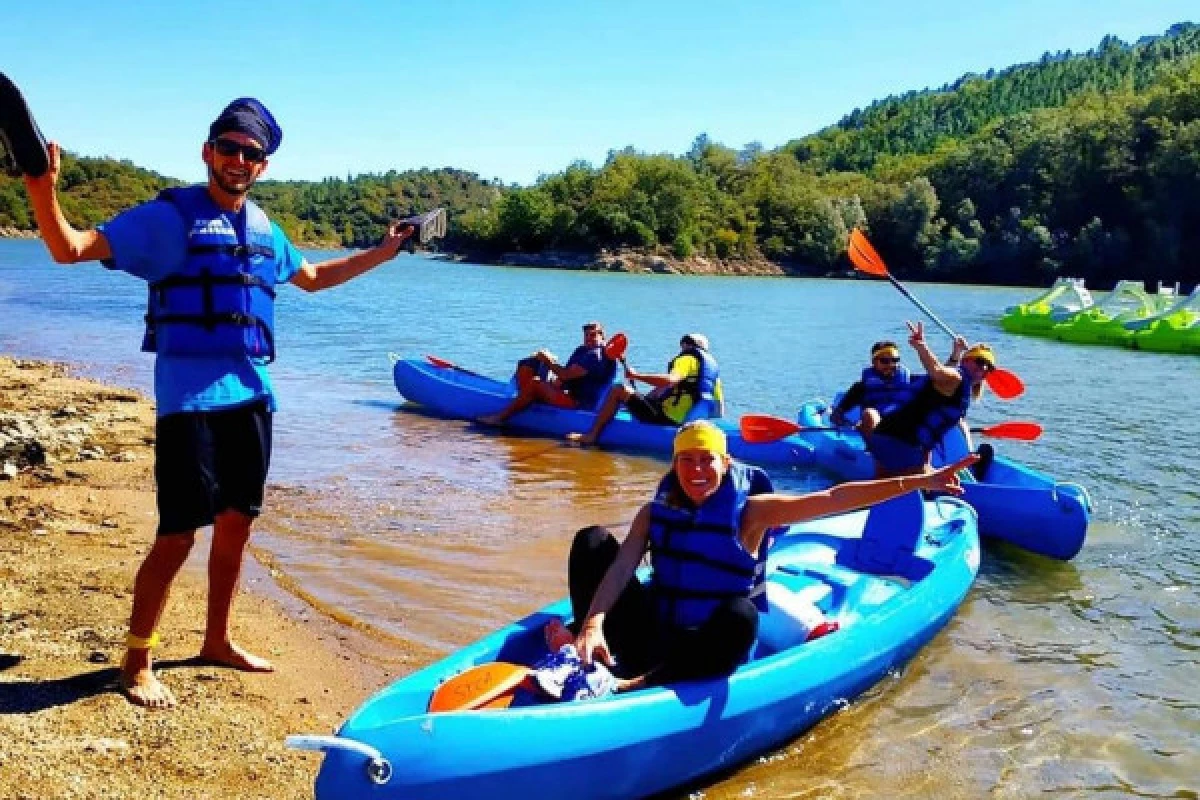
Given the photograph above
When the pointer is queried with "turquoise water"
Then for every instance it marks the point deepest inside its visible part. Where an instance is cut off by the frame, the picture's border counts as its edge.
(1062, 679)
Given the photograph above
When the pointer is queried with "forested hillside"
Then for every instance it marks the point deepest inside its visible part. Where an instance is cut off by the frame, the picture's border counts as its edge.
(332, 212)
(1085, 164)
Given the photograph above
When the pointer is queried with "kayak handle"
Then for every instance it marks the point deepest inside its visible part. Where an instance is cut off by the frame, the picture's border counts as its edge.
(1074, 489)
(379, 769)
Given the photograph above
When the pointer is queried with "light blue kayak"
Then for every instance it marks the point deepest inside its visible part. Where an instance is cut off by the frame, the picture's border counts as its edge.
(1016, 503)
(891, 577)
(459, 394)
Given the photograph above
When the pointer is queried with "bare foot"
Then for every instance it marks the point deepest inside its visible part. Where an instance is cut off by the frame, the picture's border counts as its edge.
(581, 439)
(142, 687)
(230, 655)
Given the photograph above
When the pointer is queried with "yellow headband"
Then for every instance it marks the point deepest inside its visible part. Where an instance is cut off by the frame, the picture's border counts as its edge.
(700, 436)
(982, 351)
(891, 352)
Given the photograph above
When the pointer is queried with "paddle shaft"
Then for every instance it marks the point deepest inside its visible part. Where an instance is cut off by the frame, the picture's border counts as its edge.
(904, 291)
(846, 429)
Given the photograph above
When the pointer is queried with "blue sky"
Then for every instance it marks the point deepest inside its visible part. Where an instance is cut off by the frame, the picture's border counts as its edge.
(508, 89)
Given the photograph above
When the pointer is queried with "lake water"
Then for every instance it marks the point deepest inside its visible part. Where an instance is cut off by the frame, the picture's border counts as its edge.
(1053, 679)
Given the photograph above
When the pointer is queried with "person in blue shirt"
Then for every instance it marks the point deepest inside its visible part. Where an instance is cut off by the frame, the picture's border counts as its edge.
(580, 383)
(212, 261)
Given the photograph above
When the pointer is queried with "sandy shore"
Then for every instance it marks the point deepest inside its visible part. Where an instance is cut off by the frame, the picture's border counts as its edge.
(76, 517)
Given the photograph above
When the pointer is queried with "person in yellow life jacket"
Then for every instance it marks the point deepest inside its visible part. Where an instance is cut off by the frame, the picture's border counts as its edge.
(706, 531)
(690, 389)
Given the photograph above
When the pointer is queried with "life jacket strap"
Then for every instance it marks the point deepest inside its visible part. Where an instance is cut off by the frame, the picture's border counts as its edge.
(208, 279)
(235, 250)
(697, 558)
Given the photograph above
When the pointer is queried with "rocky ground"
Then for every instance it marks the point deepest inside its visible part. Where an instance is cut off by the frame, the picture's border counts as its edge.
(76, 517)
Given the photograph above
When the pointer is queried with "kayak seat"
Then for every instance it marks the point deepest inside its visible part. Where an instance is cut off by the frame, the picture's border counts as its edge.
(890, 536)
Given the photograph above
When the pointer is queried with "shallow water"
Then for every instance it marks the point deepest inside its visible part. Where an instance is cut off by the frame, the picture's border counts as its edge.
(1061, 679)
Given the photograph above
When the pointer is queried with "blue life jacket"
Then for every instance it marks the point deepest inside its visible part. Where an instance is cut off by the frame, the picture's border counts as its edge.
(886, 395)
(945, 415)
(702, 386)
(591, 387)
(222, 302)
(697, 555)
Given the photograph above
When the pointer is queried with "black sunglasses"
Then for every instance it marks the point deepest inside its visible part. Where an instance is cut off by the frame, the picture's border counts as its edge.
(229, 148)
(983, 364)
(888, 360)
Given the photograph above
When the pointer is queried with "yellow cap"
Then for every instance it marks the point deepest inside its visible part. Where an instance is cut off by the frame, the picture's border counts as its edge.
(700, 435)
(982, 351)
(886, 352)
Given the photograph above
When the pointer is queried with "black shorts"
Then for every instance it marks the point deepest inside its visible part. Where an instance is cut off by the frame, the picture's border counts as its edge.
(206, 462)
(647, 411)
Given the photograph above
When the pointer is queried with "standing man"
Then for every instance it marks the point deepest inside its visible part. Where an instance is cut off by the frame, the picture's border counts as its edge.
(212, 260)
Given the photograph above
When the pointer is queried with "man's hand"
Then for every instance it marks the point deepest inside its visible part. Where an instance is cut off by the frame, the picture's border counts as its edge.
(916, 334)
(46, 182)
(397, 234)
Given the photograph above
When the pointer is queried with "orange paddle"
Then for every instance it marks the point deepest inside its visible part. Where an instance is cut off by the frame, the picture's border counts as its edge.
(1004, 383)
(616, 347)
(442, 363)
(488, 686)
(764, 428)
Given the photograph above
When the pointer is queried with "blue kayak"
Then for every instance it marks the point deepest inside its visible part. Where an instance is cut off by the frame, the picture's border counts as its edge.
(459, 394)
(1016, 503)
(891, 577)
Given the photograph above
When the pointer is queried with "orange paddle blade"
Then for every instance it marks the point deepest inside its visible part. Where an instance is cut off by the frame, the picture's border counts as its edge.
(1022, 431)
(864, 257)
(615, 349)
(479, 687)
(1006, 385)
(763, 428)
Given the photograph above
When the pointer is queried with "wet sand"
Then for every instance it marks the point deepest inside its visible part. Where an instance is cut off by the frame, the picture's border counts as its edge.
(76, 517)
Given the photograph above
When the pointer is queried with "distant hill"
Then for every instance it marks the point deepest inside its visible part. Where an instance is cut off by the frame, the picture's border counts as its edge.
(1085, 164)
(918, 121)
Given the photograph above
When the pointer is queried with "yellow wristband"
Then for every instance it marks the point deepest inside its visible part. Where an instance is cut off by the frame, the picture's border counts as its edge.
(141, 642)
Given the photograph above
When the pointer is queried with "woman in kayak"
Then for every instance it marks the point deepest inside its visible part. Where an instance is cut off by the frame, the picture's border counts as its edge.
(704, 531)
(903, 439)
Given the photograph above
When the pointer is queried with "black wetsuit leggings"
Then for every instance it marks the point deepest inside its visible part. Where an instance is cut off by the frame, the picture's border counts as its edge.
(634, 636)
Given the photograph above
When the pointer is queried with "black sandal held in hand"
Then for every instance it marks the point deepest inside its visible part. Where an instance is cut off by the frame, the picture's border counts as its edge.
(22, 146)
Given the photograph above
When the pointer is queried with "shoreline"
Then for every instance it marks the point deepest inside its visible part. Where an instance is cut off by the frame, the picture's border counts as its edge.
(77, 515)
(621, 260)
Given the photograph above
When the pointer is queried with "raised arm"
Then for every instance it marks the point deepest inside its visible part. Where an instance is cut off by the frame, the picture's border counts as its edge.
(945, 378)
(336, 271)
(66, 244)
(767, 511)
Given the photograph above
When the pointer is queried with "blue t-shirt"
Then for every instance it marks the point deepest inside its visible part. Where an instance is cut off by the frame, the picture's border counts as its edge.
(149, 242)
(588, 389)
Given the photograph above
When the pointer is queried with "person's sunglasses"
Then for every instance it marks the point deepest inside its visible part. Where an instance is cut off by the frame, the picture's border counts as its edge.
(983, 364)
(888, 360)
(229, 148)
